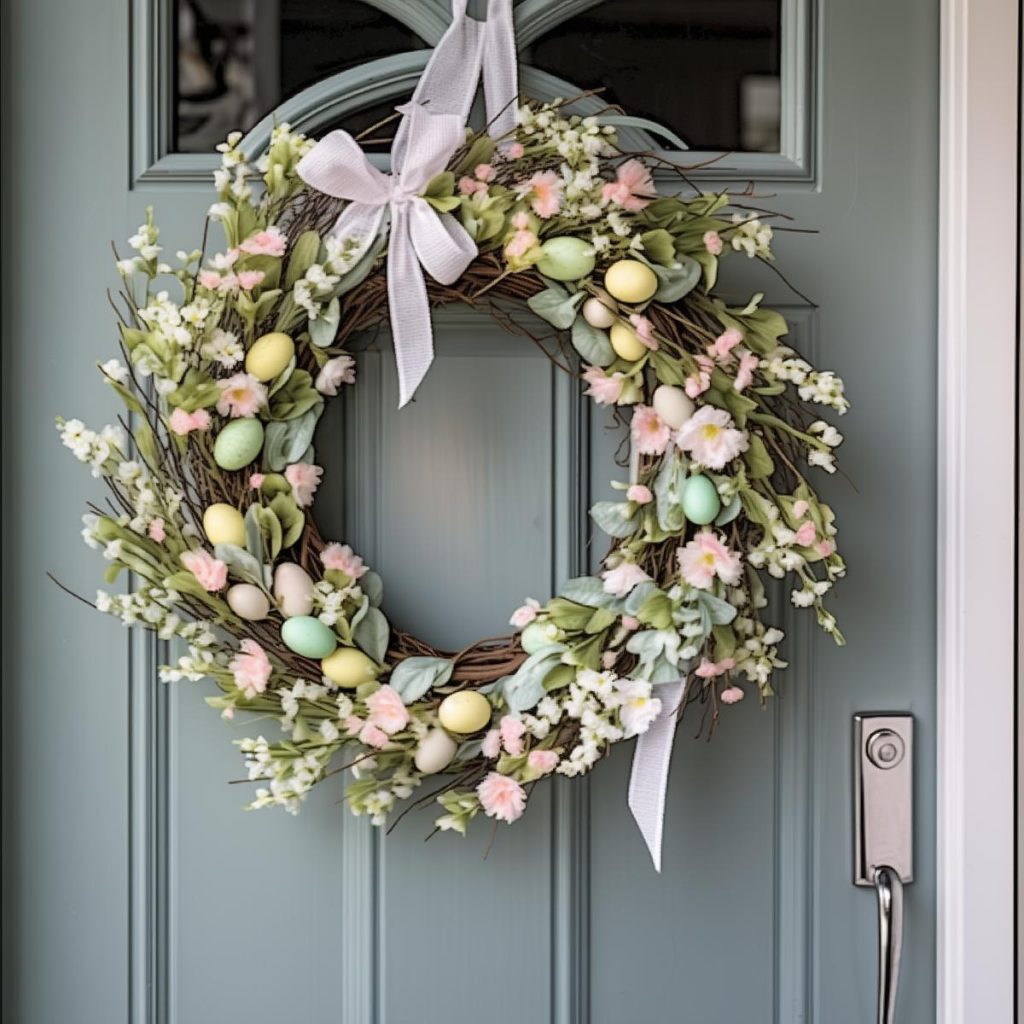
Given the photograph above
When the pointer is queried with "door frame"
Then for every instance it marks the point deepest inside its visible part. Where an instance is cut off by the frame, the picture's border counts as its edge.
(978, 282)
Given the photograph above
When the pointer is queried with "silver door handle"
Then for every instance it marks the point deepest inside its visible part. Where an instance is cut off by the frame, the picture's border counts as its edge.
(883, 834)
(890, 940)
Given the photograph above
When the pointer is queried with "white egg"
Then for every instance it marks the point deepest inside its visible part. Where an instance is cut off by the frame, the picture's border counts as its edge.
(435, 752)
(247, 601)
(673, 405)
(293, 590)
(600, 312)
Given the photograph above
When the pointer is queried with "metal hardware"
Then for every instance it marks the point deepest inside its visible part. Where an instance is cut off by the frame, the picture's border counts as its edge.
(883, 833)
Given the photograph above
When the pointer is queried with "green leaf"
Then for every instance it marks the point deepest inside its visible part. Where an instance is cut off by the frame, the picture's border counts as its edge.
(557, 306)
(414, 677)
(668, 490)
(304, 254)
(285, 442)
(290, 516)
(372, 634)
(719, 610)
(758, 461)
(656, 611)
(599, 621)
(525, 688)
(240, 563)
(323, 329)
(296, 398)
(730, 512)
(588, 590)
(592, 343)
(480, 151)
(568, 615)
(373, 587)
(615, 518)
(647, 125)
(675, 282)
(660, 246)
(667, 369)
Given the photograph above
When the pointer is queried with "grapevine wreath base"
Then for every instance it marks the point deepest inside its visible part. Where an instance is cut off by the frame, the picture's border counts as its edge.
(228, 359)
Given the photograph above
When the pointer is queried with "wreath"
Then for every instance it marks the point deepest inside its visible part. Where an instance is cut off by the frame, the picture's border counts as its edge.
(227, 360)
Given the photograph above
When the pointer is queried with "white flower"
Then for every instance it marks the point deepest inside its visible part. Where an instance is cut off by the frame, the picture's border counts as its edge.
(115, 370)
(223, 348)
(623, 578)
(826, 460)
(638, 709)
(335, 372)
(710, 438)
(219, 211)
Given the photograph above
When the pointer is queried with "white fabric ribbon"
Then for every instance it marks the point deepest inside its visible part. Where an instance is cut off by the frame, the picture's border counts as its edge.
(431, 130)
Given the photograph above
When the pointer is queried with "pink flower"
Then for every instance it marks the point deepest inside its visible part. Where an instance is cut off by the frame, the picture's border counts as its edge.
(546, 187)
(644, 330)
(825, 548)
(542, 761)
(250, 279)
(520, 244)
(241, 395)
(512, 150)
(713, 242)
(211, 572)
(156, 530)
(183, 422)
(731, 695)
(640, 494)
(305, 479)
(800, 508)
(720, 348)
(706, 557)
(373, 736)
(708, 669)
(745, 374)
(353, 724)
(603, 389)
(633, 187)
(256, 480)
(525, 613)
(269, 242)
(512, 731)
(491, 746)
(342, 558)
(630, 622)
(251, 668)
(501, 797)
(387, 711)
(336, 371)
(608, 659)
(649, 431)
(623, 578)
(805, 535)
(697, 383)
(209, 279)
(468, 185)
(710, 438)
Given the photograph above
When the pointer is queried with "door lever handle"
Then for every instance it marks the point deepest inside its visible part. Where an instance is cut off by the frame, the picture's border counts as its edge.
(890, 940)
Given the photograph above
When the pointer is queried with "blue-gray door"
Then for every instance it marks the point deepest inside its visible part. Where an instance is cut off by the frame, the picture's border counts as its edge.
(136, 889)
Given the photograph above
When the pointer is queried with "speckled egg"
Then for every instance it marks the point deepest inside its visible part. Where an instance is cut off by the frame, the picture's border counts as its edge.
(308, 636)
(293, 590)
(223, 524)
(248, 602)
(673, 405)
(435, 752)
(701, 503)
(238, 443)
(348, 667)
(269, 355)
(464, 712)
(626, 343)
(566, 259)
(630, 281)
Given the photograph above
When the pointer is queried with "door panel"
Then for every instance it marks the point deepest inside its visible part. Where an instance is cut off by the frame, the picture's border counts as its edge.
(132, 875)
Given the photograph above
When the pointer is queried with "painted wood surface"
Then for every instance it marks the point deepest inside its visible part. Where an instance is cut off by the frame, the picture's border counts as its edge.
(135, 887)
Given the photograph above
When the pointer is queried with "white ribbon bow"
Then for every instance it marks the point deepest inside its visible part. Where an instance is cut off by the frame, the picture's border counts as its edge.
(431, 130)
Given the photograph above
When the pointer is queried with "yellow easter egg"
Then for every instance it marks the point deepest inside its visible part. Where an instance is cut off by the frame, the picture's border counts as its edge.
(269, 355)
(464, 712)
(625, 342)
(348, 667)
(223, 524)
(630, 281)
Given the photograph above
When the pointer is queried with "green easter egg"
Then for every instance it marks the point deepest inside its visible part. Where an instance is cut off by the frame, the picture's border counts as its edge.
(566, 259)
(701, 503)
(539, 634)
(238, 443)
(308, 636)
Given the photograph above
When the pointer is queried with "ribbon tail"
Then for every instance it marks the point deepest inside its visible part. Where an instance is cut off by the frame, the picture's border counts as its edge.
(648, 782)
(409, 306)
(500, 69)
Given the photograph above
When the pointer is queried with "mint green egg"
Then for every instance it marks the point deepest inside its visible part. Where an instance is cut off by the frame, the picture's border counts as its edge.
(566, 259)
(539, 634)
(238, 443)
(701, 503)
(308, 636)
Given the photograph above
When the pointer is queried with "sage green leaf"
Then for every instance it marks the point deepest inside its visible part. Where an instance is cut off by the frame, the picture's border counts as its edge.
(615, 518)
(759, 463)
(525, 688)
(667, 369)
(675, 282)
(285, 441)
(730, 512)
(659, 246)
(372, 634)
(668, 489)
(568, 615)
(641, 592)
(290, 516)
(719, 610)
(296, 398)
(647, 125)
(480, 151)
(557, 306)
(414, 677)
(304, 254)
(373, 587)
(324, 328)
(599, 621)
(588, 590)
(588, 653)
(656, 611)
(592, 343)
(240, 563)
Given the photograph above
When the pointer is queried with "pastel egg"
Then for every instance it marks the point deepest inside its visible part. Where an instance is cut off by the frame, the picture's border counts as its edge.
(223, 524)
(630, 281)
(701, 503)
(600, 311)
(566, 259)
(308, 636)
(673, 405)
(435, 752)
(464, 712)
(348, 667)
(269, 355)
(626, 343)
(293, 590)
(238, 443)
(248, 602)
(537, 635)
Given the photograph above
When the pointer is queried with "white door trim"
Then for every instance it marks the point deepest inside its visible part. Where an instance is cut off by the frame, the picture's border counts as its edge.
(977, 294)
